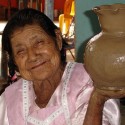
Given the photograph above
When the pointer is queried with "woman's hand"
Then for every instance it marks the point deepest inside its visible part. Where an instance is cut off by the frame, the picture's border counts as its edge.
(110, 93)
(96, 104)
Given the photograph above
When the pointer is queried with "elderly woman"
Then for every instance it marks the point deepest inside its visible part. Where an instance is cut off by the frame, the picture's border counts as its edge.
(50, 91)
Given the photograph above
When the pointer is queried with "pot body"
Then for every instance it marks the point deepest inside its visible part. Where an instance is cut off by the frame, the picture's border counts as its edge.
(105, 53)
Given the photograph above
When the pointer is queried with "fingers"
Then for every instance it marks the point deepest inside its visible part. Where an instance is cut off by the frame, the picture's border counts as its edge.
(119, 93)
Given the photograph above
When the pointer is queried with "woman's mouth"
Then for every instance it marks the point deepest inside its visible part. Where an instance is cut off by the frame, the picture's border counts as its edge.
(38, 65)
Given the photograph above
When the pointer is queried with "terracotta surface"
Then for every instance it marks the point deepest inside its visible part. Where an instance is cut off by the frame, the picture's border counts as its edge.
(105, 53)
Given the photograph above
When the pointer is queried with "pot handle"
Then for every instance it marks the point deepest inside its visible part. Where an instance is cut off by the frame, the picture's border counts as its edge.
(96, 10)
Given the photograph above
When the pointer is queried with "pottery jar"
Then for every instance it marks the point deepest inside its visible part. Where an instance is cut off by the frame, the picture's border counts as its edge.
(104, 55)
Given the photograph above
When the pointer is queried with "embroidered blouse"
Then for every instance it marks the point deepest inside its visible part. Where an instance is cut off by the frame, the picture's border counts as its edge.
(67, 106)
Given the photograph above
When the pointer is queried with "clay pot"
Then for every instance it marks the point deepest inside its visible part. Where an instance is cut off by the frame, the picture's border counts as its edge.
(105, 53)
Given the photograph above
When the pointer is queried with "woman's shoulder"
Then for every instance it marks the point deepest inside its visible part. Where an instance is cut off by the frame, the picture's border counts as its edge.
(78, 67)
(14, 86)
(12, 92)
(79, 72)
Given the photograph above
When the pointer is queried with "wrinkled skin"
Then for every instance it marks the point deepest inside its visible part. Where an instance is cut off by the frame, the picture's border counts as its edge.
(38, 59)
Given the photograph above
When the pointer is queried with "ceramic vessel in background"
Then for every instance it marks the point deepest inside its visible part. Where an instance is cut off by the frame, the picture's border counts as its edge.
(105, 53)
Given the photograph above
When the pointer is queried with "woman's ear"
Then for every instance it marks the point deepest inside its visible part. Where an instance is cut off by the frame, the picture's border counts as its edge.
(58, 38)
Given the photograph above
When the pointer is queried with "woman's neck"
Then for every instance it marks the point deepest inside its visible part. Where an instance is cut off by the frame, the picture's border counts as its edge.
(45, 89)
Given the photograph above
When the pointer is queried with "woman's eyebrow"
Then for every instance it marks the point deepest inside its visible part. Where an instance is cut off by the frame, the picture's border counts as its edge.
(18, 45)
(33, 37)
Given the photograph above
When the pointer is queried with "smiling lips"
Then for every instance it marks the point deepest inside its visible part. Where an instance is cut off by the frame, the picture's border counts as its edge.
(38, 65)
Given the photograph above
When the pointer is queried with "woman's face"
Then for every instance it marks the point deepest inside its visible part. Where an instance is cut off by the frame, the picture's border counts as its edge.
(35, 53)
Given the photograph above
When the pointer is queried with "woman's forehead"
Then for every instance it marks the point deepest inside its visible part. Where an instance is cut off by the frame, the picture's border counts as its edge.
(29, 32)
(27, 28)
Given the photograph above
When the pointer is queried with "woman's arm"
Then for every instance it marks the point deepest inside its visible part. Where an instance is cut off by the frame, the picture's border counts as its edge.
(95, 109)
(96, 104)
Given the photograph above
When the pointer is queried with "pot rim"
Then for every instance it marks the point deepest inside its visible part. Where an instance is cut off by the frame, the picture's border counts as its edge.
(113, 7)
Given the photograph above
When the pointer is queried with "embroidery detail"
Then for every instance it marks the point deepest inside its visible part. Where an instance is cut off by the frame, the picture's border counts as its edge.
(48, 120)
(25, 99)
(64, 93)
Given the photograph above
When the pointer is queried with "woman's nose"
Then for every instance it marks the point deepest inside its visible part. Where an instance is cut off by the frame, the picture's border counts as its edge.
(32, 54)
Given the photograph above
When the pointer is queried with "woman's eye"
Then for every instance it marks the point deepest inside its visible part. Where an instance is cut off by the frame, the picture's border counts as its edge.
(20, 52)
(38, 43)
